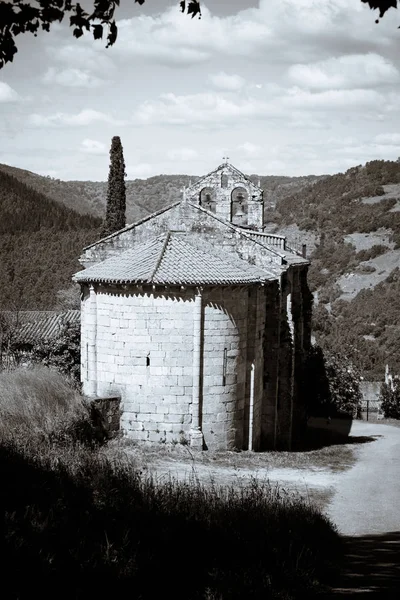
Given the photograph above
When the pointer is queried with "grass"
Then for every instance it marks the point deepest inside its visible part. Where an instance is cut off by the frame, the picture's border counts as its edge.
(80, 521)
(38, 405)
(334, 458)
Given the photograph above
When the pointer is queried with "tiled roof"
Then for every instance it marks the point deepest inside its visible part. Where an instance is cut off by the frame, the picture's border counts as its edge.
(175, 259)
(45, 328)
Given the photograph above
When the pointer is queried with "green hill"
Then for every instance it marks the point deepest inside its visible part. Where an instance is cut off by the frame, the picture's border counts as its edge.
(354, 218)
(40, 241)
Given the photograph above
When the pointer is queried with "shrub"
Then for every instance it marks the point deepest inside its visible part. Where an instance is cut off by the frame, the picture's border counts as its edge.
(39, 403)
(390, 399)
(63, 352)
(332, 385)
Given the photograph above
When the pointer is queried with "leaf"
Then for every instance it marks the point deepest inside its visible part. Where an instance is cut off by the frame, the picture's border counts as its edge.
(381, 5)
(112, 36)
(183, 5)
(194, 8)
(97, 31)
(78, 32)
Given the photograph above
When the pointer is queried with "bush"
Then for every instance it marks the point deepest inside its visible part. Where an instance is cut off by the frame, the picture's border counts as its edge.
(332, 385)
(39, 403)
(390, 399)
(63, 352)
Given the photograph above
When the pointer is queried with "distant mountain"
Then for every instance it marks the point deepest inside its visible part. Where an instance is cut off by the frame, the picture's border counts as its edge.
(353, 222)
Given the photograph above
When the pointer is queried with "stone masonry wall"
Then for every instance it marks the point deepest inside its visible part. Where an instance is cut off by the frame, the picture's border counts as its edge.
(271, 350)
(144, 342)
(224, 367)
(255, 363)
(223, 181)
(144, 353)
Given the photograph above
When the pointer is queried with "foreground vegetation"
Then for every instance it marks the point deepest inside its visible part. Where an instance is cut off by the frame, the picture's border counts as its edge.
(84, 519)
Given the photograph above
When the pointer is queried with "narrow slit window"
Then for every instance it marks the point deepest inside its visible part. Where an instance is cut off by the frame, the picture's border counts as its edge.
(148, 360)
(224, 366)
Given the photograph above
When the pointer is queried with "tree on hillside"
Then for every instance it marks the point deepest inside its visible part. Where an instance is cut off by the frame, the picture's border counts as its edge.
(19, 16)
(116, 193)
(390, 399)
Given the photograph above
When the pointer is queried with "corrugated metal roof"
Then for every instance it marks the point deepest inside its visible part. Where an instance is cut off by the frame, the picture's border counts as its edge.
(175, 259)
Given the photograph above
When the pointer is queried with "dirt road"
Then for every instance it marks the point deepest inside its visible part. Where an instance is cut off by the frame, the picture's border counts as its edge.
(363, 502)
(367, 497)
(366, 510)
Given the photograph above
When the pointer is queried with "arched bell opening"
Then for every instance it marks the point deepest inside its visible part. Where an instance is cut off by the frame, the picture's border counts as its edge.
(239, 206)
(207, 199)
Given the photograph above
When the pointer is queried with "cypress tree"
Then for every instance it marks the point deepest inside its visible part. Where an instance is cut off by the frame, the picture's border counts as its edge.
(116, 196)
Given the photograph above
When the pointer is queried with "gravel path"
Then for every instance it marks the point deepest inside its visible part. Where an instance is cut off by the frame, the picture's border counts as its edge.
(366, 510)
(367, 500)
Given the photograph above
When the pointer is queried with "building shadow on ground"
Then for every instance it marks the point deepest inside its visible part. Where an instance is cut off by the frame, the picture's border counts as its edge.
(371, 568)
(317, 438)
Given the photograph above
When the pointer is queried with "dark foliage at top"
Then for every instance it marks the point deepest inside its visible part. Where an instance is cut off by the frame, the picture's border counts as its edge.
(381, 5)
(116, 192)
(21, 16)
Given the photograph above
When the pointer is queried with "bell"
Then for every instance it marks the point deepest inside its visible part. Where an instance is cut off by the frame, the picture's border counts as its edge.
(239, 212)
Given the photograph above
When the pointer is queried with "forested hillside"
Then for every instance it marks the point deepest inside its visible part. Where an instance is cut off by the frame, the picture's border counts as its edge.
(355, 217)
(40, 241)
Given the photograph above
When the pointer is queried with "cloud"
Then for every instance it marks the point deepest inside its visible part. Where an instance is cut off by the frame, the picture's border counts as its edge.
(249, 149)
(171, 38)
(8, 94)
(345, 72)
(275, 31)
(224, 81)
(75, 78)
(139, 171)
(95, 59)
(334, 99)
(391, 139)
(93, 147)
(182, 154)
(85, 117)
(200, 109)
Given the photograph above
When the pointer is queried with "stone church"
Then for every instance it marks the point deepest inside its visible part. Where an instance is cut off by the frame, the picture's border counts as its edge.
(199, 321)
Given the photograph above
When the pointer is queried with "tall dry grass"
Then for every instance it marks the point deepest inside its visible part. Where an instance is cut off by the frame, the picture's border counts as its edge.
(39, 405)
(82, 522)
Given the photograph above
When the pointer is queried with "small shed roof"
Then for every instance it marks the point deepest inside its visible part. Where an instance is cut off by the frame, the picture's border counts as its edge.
(45, 328)
(175, 258)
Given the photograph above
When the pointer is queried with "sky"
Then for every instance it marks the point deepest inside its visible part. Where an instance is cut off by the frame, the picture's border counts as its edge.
(281, 87)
